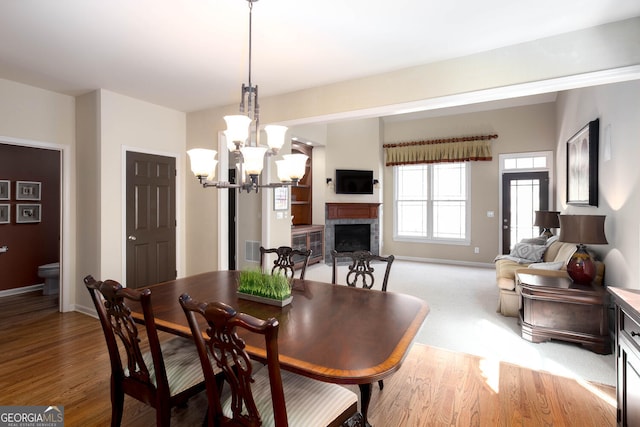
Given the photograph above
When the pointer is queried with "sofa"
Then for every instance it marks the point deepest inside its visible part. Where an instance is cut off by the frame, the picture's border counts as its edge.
(547, 257)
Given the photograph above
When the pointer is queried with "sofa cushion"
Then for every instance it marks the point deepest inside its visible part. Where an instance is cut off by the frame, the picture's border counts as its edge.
(565, 252)
(506, 272)
(528, 251)
(552, 251)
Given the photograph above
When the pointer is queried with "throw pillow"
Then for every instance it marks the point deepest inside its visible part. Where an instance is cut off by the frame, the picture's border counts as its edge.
(535, 241)
(547, 265)
(528, 251)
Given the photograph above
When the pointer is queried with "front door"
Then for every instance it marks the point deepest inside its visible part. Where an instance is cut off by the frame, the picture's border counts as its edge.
(522, 195)
(151, 219)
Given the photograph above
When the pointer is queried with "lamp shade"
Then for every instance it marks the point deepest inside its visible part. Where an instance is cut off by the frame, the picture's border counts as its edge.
(237, 130)
(253, 159)
(275, 136)
(203, 162)
(585, 229)
(547, 219)
(283, 170)
(297, 164)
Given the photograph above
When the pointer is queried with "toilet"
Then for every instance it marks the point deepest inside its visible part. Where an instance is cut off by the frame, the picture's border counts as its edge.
(51, 275)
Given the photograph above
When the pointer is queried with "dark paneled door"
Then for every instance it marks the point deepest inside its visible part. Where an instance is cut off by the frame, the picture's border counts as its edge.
(151, 219)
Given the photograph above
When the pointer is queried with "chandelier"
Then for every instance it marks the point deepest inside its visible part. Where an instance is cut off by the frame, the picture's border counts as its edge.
(242, 140)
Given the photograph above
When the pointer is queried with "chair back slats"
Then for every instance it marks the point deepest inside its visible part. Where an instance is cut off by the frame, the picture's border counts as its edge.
(143, 374)
(110, 298)
(227, 349)
(360, 270)
(286, 260)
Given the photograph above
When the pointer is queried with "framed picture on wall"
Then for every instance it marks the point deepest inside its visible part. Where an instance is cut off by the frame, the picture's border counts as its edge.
(27, 190)
(5, 190)
(5, 214)
(28, 213)
(582, 166)
(280, 198)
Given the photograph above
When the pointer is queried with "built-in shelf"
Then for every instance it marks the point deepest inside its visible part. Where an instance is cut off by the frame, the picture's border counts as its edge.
(301, 195)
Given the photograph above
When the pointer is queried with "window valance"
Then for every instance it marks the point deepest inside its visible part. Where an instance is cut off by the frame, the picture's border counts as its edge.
(463, 149)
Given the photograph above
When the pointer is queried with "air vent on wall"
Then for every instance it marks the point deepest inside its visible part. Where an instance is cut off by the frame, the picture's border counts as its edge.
(252, 251)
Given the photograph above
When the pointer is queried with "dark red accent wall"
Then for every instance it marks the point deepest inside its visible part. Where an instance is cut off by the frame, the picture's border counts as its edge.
(31, 244)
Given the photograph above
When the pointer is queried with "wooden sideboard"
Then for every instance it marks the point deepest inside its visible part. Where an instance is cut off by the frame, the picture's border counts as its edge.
(627, 309)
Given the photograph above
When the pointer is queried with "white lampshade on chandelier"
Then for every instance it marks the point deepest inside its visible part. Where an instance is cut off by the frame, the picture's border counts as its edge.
(242, 140)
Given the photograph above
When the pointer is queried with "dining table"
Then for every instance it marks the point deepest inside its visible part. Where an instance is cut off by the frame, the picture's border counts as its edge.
(333, 333)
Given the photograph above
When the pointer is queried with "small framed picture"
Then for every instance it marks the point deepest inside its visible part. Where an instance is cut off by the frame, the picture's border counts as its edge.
(5, 214)
(27, 190)
(5, 190)
(280, 198)
(28, 213)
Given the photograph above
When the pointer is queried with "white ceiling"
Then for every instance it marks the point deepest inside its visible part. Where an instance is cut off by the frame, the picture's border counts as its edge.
(192, 54)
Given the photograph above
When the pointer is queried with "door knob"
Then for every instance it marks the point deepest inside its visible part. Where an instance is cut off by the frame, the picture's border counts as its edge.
(4, 248)
(132, 238)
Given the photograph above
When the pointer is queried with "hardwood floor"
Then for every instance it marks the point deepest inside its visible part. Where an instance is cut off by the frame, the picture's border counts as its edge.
(49, 358)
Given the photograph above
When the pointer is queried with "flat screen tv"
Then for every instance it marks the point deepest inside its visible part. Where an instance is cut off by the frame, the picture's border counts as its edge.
(349, 181)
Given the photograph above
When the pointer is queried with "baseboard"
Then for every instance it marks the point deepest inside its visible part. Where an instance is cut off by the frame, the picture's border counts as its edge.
(446, 261)
(22, 290)
(89, 311)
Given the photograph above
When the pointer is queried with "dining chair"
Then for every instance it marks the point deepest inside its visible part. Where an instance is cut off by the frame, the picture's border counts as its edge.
(165, 376)
(361, 272)
(286, 260)
(258, 394)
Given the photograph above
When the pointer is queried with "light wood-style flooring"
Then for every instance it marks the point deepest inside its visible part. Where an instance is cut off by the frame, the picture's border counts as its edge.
(48, 358)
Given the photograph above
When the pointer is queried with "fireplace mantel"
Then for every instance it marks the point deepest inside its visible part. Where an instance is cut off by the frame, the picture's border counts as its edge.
(352, 210)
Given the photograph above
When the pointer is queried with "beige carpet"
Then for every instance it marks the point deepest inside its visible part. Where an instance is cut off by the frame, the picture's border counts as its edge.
(463, 318)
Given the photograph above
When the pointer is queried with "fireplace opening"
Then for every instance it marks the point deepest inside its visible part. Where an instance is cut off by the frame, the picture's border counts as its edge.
(352, 237)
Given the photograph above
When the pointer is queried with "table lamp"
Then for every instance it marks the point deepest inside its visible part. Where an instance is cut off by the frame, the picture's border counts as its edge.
(547, 220)
(582, 229)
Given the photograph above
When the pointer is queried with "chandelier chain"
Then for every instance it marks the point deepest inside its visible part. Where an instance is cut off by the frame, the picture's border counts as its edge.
(250, 27)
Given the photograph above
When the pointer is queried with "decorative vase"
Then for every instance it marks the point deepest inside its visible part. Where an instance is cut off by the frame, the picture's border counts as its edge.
(581, 267)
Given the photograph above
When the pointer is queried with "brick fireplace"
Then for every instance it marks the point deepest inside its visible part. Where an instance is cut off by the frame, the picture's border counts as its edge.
(346, 215)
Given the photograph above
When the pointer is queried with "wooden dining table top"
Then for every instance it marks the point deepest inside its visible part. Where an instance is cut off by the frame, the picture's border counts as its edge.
(332, 333)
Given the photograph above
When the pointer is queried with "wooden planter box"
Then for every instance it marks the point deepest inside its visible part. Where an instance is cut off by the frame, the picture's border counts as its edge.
(264, 300)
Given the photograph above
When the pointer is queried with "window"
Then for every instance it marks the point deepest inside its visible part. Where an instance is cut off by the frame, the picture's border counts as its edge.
(432, 202)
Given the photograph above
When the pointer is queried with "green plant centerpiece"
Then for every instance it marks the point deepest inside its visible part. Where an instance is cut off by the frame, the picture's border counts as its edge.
(271, 289)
